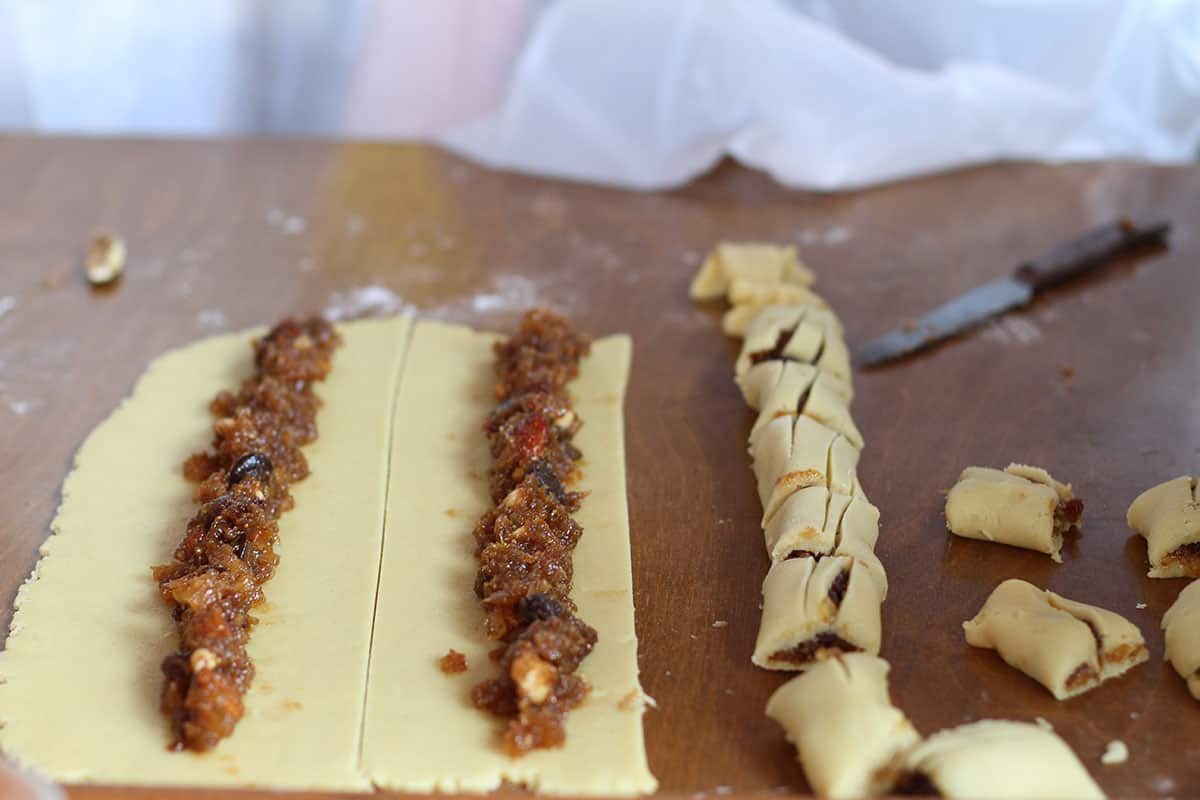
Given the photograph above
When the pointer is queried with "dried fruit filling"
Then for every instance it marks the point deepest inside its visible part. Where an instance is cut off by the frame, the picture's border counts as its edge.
(525, 544)
(228, 551)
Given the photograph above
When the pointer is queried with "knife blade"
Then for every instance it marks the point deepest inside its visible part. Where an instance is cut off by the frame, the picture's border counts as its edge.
(974, 306)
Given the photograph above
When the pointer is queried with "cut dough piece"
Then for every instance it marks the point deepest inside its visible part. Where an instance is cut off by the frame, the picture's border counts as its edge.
(814, 609)
(794, 453)
(1182, 626)
(1019, 505)
(815, 522)
(803, 389)
(805, 335)
(95, 719)
(743, 292)
(999, 759)
(752, 262)
(847, 733)
(1066, 646)
(421, 732)
(1168, 516)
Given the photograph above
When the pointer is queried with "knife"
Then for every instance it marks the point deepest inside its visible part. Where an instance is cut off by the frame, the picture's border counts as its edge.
(1064, 262)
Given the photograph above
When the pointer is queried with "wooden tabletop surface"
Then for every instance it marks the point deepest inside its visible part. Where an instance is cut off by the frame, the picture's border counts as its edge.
(1099, 382)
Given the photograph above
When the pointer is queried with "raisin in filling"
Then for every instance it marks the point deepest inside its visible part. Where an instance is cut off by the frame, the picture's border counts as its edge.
(228, 550)
(525, 544)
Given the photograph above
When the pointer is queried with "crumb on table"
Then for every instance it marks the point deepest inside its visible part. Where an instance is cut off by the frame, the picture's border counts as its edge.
(453, 663)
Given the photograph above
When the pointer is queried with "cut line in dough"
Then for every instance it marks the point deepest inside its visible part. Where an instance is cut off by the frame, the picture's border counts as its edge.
(421, 732)
(80, 701)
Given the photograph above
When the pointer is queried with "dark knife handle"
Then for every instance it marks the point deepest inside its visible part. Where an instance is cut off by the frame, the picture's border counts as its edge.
(1092, 248)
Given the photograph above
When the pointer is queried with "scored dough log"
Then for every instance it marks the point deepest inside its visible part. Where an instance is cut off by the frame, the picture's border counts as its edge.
(1019, 505)
(803, 389)
(1168, 517)
(751, 262)
(813, 609)
(790, 454)
(795, 333)
(421, 732)
(1068, 647)
(1000, 759)
(80, 701)
(1181, 625)
(847, 733)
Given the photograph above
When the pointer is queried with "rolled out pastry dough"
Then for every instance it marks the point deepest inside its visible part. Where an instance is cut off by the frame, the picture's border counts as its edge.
(793, 453)
(421, 732)
(847, 733)
(1001, 759)
(753, 262)
(1014, 506)
(1168, 516)
(797, 609)
(1181, 624)
(80, 701)
(1068, 647)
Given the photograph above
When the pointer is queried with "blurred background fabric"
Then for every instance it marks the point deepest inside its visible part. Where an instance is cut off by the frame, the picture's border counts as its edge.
(823, 94)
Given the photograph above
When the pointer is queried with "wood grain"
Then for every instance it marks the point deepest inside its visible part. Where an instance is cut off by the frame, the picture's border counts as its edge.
(1099, 382)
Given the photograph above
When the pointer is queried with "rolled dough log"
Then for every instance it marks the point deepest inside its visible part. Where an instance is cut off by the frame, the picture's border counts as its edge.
(81, 672)
(1015, 506)
(1181, 624)
(1001, 759)
(1068, 647)
(790, 454)
(421, 732)
(1168, 517)
(847, 733)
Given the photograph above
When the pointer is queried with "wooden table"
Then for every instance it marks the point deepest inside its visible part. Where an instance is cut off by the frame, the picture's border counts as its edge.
(1099, 382)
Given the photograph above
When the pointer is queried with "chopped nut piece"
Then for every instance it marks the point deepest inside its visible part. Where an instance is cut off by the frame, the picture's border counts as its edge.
(534, 677)
(202, 659)
(105, 259)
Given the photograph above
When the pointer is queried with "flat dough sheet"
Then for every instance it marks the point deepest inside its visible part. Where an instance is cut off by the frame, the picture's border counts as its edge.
(421, 732)
(82, 663)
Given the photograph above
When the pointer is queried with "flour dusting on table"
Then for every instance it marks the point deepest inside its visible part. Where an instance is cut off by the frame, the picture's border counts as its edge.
(366, 301)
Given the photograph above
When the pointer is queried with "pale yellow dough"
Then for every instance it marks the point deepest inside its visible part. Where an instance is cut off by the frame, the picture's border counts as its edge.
(752, 262)
(1013, 506)
(847, 733)
(1181, 624)
(421, 733)
(1049, 637)
(797, 608)
(1002, 759)
(80, 701)
(1168, 517)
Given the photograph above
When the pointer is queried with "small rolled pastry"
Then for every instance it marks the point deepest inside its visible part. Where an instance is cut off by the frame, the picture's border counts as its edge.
(767, 264)
(846, 731)
(1020, 505)
(794, 453)
(996, 759)
(1182, 626)
(814, 609)
(744, 292)
(1066, 646)
(1168, 516)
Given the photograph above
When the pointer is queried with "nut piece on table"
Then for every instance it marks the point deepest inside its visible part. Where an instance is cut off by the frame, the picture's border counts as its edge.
(1020, 505)
(997, 759)
(1182, 626)
(105, 259)
(846, 731)
(1168, 517)
(1066, 646)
